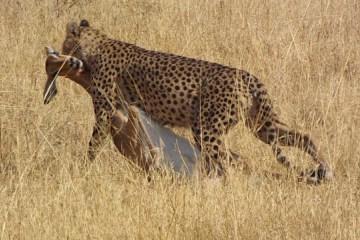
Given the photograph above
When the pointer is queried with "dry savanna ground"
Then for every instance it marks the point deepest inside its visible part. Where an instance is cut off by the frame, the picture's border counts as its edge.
(306, 53)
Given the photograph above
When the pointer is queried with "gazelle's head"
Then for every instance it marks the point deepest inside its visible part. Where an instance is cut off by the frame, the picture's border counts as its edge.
(59, 65)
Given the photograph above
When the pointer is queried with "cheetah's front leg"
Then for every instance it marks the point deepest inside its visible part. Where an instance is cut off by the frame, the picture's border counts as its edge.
(101, 129)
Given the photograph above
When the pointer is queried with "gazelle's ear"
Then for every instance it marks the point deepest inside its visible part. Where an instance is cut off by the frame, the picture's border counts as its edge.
(50, 51)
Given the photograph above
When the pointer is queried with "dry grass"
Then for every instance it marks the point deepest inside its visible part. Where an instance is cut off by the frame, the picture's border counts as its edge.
(306, 52)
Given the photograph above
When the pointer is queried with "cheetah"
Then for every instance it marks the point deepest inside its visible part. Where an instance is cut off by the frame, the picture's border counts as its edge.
(209, 98)
(136, 136)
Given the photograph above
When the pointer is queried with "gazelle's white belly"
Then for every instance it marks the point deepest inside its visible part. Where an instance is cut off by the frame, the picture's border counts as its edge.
(176, 152)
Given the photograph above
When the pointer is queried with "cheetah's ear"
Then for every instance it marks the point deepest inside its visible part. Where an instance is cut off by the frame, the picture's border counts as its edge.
(84, 23)
(72, 29)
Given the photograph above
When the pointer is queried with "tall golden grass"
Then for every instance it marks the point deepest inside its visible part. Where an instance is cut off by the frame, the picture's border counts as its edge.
(307, 54)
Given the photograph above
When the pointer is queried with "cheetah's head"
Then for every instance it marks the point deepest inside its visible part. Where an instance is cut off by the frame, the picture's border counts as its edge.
(74, 39)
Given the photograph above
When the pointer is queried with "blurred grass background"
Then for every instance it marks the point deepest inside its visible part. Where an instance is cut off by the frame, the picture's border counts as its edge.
(307, 54)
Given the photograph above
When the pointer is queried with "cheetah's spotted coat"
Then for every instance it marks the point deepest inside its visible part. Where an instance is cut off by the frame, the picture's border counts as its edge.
(207, 97)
